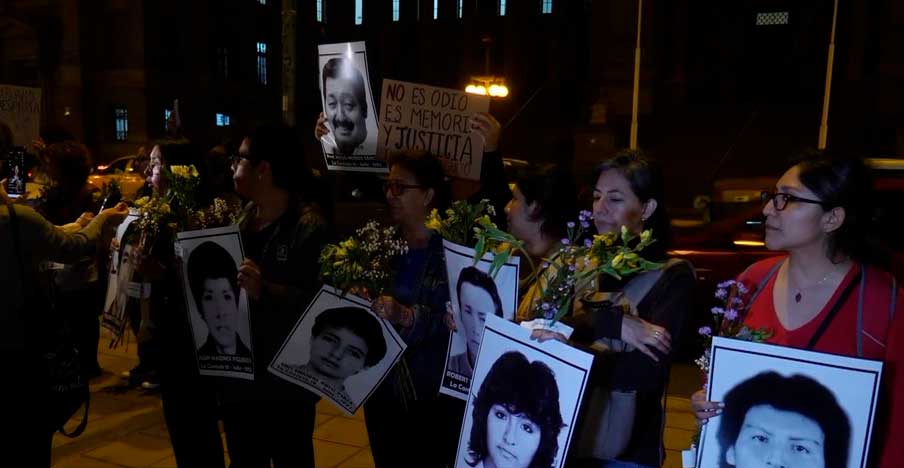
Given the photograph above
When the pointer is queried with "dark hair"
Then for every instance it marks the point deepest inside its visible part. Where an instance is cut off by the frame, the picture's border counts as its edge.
(210, 260)
(72, 162)
(798, 394)
(646, 181)
(523, 387)
(847, 183)
(178, 152)
(472, 275)
(428, 170)
(279, 146)
(359, 322)
(343, 68)
(555, 193)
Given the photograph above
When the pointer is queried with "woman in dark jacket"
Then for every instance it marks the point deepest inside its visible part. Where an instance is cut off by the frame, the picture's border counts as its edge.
(409, 424)
(283, 231)
(629, 192)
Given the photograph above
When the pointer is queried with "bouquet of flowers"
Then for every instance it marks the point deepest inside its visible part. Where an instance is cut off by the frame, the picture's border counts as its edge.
(728, 320)
(183, 188)
(364, 260)
(580, 261)
(219, 214)
(155, 220)
(465, 222)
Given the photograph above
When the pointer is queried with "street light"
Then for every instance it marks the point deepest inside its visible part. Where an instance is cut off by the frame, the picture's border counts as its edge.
(488, 86)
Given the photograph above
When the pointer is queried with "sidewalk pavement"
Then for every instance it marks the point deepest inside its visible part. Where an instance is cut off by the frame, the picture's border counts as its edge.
(126, 427)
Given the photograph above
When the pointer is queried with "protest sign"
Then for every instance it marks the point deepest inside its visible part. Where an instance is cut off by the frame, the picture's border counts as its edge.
(20, 111)
(437, 120)
(348, 105)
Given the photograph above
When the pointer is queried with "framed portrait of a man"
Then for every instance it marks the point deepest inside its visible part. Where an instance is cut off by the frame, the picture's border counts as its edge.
(348, 105)
(788, 407)
(339, 349)
(524, 399)
(217, 307)
(475, 295)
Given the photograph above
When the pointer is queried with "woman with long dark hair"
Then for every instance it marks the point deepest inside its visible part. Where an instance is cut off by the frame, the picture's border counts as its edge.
(827, 293)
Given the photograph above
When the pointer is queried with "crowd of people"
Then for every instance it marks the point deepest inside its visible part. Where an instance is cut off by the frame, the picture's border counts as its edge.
(817, 221)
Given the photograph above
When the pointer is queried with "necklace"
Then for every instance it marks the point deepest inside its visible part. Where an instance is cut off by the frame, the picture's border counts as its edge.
(800, 295)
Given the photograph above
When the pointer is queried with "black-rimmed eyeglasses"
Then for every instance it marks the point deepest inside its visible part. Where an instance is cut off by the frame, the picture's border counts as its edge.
(397, 188)
(780, 200)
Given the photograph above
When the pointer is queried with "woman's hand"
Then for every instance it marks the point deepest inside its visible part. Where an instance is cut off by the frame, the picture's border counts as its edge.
(449, 318)
(250, 278)
(704, 409)
(546, 335)
(488, 128)
(85, 218)
(644, 335)
(390, 309)
(320, 129)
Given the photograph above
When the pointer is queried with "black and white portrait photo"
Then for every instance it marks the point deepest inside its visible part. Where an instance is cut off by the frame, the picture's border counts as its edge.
(338, 349)
(217, 307)
(348, 106)
(475, 295)
(788, 407)
(118, 279)
(523, 402)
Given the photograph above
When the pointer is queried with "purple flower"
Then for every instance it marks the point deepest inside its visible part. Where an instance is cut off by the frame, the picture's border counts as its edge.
(585, 224)
(741, 288)
(548, 315)
(570, 225)
(721, 293)
(736, 301)
(545, 265)
(731, 314)
(726, 284)
(565, 241)
(705, 331)
(545, 306)
(585, 215)
(571, 267)
(717, 311)
(588, 243)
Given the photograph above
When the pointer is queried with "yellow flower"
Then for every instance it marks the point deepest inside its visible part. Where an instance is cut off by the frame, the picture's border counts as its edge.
(179, 171)
(503, 247)
(646, 236)
(607, 239)
(142, 201)
(164, 208)
(348, 244)
(617, 260)
(433, 223)
(194, 171)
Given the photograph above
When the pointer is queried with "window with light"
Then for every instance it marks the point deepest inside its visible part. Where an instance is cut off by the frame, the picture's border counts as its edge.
(501, 7)
(262, 63)
(359, 11)
(121, 116)
(166, 115)
(547, 7)
(223, 120)
(395, 10)
(435, 9)
(319, 11)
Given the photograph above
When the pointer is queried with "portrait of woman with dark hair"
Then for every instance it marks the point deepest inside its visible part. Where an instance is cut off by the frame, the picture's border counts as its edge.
(213, 278)
(478, 297)
(344, 341)
(772, 420)
(516, 418)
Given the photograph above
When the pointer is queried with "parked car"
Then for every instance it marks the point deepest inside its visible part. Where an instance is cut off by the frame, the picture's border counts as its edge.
(124, 171)
(733, 237)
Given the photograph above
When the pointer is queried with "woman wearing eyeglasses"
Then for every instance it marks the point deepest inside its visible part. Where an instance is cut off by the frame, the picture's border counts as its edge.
(408, 423)
(829, 292)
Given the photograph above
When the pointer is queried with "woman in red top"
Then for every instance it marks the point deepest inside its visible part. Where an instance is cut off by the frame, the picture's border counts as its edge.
(820, 215)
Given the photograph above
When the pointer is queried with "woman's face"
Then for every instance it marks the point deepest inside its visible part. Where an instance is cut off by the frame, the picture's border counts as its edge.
(518, 213)
(157, 180)
(799, 224)
(410, 201)
(772, 437)
(154, 159)
(615, 204)
(219, 308)
(243, 172)
(338, 353)
(512, 439)
(475, 304)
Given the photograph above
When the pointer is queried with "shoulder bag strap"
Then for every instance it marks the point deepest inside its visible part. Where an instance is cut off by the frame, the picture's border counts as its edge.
(834, 311)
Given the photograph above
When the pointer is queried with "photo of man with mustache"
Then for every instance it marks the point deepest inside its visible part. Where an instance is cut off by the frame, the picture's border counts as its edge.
(344, 106)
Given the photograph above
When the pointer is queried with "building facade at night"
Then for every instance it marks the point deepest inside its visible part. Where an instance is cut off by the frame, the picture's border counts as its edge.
(733, 87)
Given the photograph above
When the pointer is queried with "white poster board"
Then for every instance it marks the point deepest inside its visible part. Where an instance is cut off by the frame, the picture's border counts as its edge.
(530, 387)
(348, 104)
(339, 349)
(474, 296)
(20, 110)
(118, 280)
(788, 407)
(217, 308)
(437, 120)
